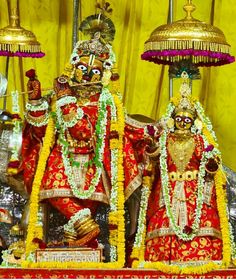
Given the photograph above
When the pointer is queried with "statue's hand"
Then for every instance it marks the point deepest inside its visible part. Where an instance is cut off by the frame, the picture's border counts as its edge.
(62, 87)
(151, 139)
(33, 85)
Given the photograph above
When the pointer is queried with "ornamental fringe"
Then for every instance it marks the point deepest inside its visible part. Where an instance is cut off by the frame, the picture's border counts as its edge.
(185, 45)
(21, 48)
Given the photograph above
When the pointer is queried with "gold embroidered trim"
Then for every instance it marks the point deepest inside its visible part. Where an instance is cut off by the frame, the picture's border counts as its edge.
(133, 185)
(38, 119)
(206, 231)
(45, 194)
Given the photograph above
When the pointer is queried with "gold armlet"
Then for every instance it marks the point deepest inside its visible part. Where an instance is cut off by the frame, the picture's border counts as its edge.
(37, 121)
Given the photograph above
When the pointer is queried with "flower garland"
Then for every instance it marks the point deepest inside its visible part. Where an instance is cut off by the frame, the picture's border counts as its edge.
(33, 231)
(15, 102)
(35, 108)
(116, 215)
(100, 131)
(114, 144)
(165, 187)
(139, 243)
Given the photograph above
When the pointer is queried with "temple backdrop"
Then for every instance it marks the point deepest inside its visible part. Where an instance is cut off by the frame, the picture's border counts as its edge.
(144, 85)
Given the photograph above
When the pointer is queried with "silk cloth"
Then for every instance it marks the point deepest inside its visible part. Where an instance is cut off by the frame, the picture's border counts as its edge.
(162, 244)
(55, 183)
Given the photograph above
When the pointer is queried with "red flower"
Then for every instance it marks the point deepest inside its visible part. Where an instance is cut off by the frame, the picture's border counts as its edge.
(16, 116)
(209, 148)
(40, 242)
(151, 130)
(115, 77)
(14, 164)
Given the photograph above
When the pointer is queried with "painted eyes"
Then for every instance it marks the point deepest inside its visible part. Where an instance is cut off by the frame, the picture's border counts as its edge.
(184, 119)
(178, 119)
(187, 120)
(96, 71)
(82, 67)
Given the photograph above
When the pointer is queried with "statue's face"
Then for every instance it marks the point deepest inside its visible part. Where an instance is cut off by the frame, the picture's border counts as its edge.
(183, 120)
(88, 70)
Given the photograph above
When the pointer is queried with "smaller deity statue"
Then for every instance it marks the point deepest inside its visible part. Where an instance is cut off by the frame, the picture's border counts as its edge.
(186, 218)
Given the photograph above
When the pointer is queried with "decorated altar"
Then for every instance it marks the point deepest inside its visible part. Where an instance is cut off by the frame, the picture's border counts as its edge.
(93, 186)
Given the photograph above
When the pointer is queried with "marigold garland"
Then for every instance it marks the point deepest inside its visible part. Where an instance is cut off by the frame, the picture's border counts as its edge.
(117, 236)
(221, 200)
(33, 230)
(117, 218)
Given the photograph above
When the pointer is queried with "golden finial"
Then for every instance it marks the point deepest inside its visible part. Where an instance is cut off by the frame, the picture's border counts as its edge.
(189, 8)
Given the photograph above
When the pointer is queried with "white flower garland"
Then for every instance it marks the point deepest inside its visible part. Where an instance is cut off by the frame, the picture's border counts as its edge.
(104, 100)
(15, 101)
(65, 101)
(165, 188)
(16, 140)
(142, 217)
(36, 108)
(204, 118)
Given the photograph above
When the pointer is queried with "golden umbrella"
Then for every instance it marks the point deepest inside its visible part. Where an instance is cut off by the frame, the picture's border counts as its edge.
(15, 40)
(189, 38)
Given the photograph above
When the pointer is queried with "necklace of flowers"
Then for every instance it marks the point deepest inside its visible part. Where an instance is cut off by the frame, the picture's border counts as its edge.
(100, 132)
(200, 183)
(165, 187)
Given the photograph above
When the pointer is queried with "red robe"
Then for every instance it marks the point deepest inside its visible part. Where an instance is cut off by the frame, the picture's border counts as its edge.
(55, 184)
(161, 242)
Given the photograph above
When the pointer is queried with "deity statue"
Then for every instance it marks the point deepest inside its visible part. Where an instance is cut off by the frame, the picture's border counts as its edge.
(186, 213)
(92, 144)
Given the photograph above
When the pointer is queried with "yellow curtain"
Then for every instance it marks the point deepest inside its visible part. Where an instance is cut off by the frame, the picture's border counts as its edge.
(144, 85)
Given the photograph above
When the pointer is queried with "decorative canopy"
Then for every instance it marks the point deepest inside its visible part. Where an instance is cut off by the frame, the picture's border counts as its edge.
(188, 38)
(17, 41)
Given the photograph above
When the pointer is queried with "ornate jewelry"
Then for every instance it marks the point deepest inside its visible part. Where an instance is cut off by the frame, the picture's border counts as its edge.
(165, 187)
(181, 150)
(37, 105)
(37, 121)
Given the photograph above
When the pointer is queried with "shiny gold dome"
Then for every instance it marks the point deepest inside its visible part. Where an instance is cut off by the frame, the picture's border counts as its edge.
(188, 38)
(15, 40)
